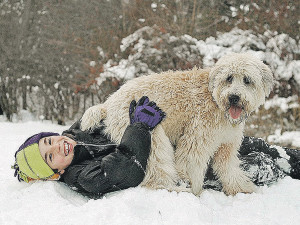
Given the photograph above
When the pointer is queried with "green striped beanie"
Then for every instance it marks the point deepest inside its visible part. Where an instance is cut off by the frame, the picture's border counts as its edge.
(29, 163)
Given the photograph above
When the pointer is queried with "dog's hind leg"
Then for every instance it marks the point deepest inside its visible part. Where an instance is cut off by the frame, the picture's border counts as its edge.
(161, 171)
(92, 116)
(226, 167)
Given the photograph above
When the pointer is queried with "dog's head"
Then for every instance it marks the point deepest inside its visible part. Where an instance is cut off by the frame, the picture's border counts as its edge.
(239, 84)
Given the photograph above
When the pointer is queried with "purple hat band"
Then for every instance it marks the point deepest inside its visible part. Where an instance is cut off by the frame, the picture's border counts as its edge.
(35, 139)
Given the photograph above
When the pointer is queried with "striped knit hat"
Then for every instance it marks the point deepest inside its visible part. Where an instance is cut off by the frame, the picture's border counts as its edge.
(29, 164)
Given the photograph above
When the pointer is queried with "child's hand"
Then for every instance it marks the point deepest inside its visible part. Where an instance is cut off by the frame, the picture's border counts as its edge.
(145, 112)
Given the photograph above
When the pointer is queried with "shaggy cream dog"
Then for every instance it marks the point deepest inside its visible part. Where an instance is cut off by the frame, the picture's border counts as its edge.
(206, 112)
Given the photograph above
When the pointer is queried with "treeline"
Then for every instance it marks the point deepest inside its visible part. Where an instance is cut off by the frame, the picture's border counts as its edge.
(51, 52)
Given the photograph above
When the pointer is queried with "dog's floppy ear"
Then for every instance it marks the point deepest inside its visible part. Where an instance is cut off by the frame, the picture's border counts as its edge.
(212, 76)
(267, 79)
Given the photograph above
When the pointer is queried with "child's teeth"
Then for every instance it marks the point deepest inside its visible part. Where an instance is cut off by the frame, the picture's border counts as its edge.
(67, 147)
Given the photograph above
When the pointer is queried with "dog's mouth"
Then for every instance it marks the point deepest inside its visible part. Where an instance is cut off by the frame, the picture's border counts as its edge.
(235, 111)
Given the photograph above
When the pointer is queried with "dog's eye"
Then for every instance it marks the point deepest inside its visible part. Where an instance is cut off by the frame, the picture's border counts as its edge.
(229, 79)
(246, 80)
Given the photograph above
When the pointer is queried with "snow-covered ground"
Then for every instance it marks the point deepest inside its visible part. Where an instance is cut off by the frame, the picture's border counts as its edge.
(54, 203)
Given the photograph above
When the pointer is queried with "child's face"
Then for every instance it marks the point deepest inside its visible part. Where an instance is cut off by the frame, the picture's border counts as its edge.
(57, 151)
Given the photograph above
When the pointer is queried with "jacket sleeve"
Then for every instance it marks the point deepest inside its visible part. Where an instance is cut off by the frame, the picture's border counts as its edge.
(136, 141)
(121, 169)
(73, 130)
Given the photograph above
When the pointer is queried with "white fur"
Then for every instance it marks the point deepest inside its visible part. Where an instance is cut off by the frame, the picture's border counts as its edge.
(197, 124)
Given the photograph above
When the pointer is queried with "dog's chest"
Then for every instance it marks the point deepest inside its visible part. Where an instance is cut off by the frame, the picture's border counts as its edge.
(227, 134)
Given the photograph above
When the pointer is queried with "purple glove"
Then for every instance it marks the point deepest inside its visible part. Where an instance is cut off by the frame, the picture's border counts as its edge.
(145, 112)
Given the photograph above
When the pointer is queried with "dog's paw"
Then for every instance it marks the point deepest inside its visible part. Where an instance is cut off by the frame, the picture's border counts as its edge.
(246, 187)
(180, 189)
(181, 186)
(197, 189)
(92, 117)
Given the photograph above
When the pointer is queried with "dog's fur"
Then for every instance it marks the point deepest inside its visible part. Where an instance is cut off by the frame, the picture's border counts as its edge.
(199, 124)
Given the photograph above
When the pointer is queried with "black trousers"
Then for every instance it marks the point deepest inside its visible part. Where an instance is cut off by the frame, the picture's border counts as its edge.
(263, 163)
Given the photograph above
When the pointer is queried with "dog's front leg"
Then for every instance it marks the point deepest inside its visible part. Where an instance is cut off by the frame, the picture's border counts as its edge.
(226, 166)
(192, 159)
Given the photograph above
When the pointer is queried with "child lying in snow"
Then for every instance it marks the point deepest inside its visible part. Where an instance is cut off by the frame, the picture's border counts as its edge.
(89, 162)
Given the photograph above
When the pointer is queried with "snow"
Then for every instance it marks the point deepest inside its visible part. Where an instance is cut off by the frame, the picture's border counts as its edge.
(283, 103)
(281, 152)
(92, 63)
(287, 137)
(284, 165)
(55, 203)
(56, 85)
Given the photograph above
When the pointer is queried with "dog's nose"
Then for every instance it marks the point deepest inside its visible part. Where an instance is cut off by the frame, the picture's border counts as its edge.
(234, 99)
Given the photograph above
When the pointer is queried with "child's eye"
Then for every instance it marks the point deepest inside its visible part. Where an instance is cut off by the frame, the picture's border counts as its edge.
(49, 141)
(50, 157)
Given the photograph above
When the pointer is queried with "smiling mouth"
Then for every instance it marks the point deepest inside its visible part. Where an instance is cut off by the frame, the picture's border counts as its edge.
(67, 148)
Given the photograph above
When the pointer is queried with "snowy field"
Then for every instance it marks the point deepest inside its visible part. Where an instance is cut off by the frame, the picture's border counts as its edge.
(54, 203)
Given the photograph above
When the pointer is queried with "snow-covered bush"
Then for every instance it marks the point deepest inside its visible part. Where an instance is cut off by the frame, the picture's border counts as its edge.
(149, 50)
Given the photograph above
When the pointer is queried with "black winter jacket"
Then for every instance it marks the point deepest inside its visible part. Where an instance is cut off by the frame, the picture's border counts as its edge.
(100, 166)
